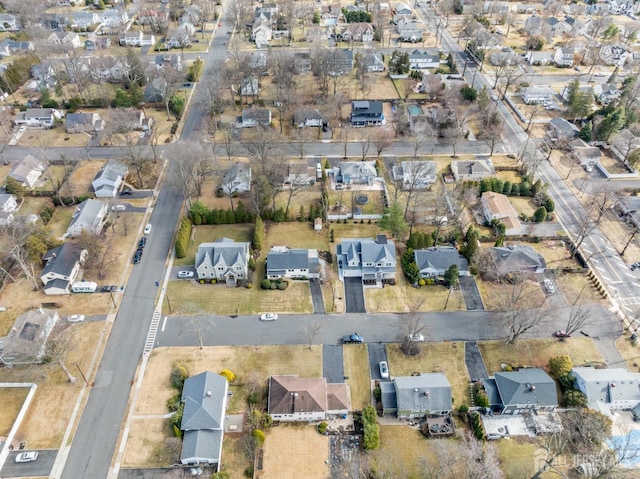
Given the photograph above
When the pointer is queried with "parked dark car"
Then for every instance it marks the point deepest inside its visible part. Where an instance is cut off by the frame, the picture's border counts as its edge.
(142, 243)
(137, 256)
(126, 192)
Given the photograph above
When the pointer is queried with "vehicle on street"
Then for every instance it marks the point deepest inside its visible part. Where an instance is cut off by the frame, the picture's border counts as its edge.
(137, 256)
(147, 229)
(142, 242)
(185, 274)
(27, 456)
(354, 338)
(384, 370)
(269, 317)
(126, 192)
(577, 68)
(588, 168)
(118, 207)
(635, 266)
(76, 318)
(494, 97)
(561, 333)
(22, 129)
(600, 74)
(416, 337)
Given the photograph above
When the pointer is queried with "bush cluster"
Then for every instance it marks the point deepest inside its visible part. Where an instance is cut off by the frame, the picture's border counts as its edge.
(182, 238)
(178, 375)
(409, 266)
(480, 396)
(46, 214)
(70, 200)
(322, 427)
(201, 215)
(274, 284)
(371, 428)
(476, 425)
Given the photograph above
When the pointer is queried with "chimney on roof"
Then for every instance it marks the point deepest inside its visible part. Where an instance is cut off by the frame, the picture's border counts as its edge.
(381, 239)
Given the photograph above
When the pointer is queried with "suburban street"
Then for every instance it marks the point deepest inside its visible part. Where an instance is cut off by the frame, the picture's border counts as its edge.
(92, 450)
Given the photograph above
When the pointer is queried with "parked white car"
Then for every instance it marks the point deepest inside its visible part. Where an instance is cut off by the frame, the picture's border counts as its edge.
(384, 370)
(185, 274)
(76, 318)
(147, 229)
(269, 317)
(416, 337)
(118, 207)
(28, 456)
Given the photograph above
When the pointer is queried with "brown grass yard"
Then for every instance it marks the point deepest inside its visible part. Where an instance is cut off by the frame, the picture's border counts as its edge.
(148, 444)
(52, 138)
(493, 293)
(296, 235)
(517, 457)
(61, 219)
(356, 367)
(189, 297)
(447, 358)
(247, 362)
(46, 420)
(79, 181)
(291, 449)
(32, 206)
(354, 230)
(523, 205)
(12, 400)
(403, 448)
(578, 285)
(629, 352)
(234, 460)
(537, 352)
(402, 297)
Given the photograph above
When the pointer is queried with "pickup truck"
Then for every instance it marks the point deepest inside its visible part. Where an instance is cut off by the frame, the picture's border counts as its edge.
(352, 338)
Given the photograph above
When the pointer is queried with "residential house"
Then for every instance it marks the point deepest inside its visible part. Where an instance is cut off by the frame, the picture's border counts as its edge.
(181, 36)
(106, 69)
(62, 37)
(62, 266)
(8, 204)
(409, 29)
(113, 17)
(583, 88)
(283, 262)
(522, 391)
(356, 172)
(535, 26)
(424, 58)
(152, 17)
(496, 8)
(563, 57)
(608, 389)
(537, 94)
(8, 23)
(83, 19)
(83, 122)
(356, 32)
(583, 153)
(168, 60)
(261, 32)
(155, 90)
(223, 260)
(629, 206)
(413, 397)
(624, 143)
(28, 171)
(89, 216)
(561, 129)
(517, 259)
(606, 92)
(403, 9)
(249, 87)
(415, 174)
(539, 58)
(134, 38)
(8, 47)
(27, 340)
(558, 27)
(107, 181)
(301, 62)
(299, 175)
(98, 43)
(340, 62)
(330, 14)
(374, 261)
(237, 179)
(496, 206)
(43, 76)
(504, 56)
(131, 120)
(434, 262)
(366, 113)
(307, 117)
(614, 55)
(258, 63)
(383, 9)
(472, 170)
(374, 62)
(205, 403)
(295, 399)
(37, 117)
(252, 117)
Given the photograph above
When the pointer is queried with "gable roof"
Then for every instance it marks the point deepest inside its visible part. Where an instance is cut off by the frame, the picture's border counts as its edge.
(111, 172)
(514, 258)
(87, 213)
(498, 204)
(25, 344)
(526, 386)
(357, 169)
(428, 391)
(290, 394)
(204, 396)
(289, 259)
(26, 165)
(222, 251)
(338, 397)
(470, 167)
(608, 385)
(62, 260)
(440, 258)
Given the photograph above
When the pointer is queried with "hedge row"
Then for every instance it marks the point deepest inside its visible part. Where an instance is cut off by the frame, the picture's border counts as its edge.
(371, 428)
(182, 238)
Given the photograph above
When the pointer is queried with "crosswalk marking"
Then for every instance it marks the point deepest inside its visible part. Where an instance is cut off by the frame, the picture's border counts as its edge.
(629, 301)
(153, 331)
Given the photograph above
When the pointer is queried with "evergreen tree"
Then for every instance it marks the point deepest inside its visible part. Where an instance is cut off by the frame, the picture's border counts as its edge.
(258, 234)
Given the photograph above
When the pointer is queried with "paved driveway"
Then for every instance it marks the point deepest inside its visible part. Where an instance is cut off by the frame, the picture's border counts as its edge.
(354, 295)
(38, 468)
(474, 362)
(316, 297)
(332, 363)
(470, 293)
(377, 353)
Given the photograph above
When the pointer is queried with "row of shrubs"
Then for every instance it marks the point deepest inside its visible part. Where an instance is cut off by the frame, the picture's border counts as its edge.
(182, 238)
(178, 376)
(371, 439)
(201, 215)
(275, 284)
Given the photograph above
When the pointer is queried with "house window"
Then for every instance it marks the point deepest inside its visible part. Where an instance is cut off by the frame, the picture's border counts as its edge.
(388, 264)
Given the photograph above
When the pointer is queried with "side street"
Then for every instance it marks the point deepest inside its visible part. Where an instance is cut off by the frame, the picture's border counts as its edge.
(374, 240)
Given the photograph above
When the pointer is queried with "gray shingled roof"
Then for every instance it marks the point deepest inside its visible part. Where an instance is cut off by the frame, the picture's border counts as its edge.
(202, 445)
(527, 386)
(440, 258)
(86, 214)
(516, 258)
(204, 396)
(290, 259)
(111, 172)
(428, 391)
(62, 260)
(609, 385)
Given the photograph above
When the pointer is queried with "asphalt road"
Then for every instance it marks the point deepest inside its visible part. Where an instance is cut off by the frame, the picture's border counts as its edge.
(95, 439)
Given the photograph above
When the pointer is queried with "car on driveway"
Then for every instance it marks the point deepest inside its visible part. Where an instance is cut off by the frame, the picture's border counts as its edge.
(75, 318)
(118, 207)
(269, 317)
(416, 337)
(548, 286)
(27, 456)
(185, 274)
(384, 370)
(126, 192)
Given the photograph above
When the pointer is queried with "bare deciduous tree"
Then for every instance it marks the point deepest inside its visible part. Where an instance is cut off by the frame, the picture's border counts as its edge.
(59, 343)
(310, 331)
(517, 308)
